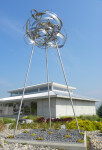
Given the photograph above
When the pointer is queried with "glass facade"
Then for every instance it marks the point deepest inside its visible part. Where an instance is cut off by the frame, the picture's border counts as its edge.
(30, 91)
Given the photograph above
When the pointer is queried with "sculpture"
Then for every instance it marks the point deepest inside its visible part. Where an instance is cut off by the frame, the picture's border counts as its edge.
(45, 30)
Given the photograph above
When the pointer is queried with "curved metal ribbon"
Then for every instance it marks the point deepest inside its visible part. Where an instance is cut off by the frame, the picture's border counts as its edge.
(44, 29)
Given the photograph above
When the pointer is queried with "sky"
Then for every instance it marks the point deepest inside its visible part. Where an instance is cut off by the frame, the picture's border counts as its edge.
(81, 54)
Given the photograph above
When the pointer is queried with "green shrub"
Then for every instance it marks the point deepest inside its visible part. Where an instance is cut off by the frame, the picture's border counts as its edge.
(25, 117)
(56, 125)
(80, 141)
(26, 131)
(10, 136)
(99, 111)
(39, 138)
(65, 117)
(44, 125)
(5, 142)
(67, 136)
(12, 126)
(25, 126)
(50, 132)
(81, 133)
(99, 119)
(33, 134)
(43, 129)
(7, 120)
(34, 118)
(89, 117)
(69, 130)
(101, 129)
(84, 125)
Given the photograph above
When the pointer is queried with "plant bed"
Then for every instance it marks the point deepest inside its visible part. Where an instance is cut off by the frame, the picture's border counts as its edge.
(53, 135)
(56, 140)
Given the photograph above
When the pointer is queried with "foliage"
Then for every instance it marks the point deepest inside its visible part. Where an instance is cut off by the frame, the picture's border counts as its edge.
(50, 132)
(39, 138)
(2, 125)
(88, 142)
(84, 125)
(33, 134)
(69, 130)
(25, 131)
(90, 117)
(57, 128)
(26, 126)
(25, 117)
(36, 128)
(44, 125)
(40, 123)
(10, 136)
(99, 111)
(5, 142)
(41, 119)
(81, 133)
(7, 120)
(56, 125)
(31, 117)
(67, 136)
(24, 143)
(80, 141)
(43, 129)
(64, 117)
(60, 119)
(101, 129)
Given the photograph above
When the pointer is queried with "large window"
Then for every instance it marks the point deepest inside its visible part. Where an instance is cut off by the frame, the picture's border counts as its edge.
(33, 108)
(45, 88)
(31, 91)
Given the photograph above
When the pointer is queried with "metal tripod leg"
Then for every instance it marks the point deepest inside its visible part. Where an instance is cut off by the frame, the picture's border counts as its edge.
(67, 86)
(48, 86)
(23, 91)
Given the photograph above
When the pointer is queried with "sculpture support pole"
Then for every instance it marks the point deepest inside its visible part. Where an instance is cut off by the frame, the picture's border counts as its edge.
(48, 86)
(67, 86)
(24, 90)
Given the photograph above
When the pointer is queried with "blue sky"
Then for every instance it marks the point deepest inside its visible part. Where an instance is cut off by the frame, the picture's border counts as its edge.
(81, 55)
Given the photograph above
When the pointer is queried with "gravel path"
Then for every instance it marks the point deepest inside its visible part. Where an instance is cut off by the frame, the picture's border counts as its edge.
(95, 140)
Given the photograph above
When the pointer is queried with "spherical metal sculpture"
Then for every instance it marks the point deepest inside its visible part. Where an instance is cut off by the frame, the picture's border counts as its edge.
(44, 29)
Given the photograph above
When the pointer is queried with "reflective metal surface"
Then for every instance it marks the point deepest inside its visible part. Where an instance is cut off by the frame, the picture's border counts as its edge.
(44, 29)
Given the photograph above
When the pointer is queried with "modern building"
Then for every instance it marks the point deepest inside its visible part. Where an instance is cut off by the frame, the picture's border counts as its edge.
(36, 102)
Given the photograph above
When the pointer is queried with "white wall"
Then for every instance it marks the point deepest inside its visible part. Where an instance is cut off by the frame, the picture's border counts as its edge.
(43, 108)
(64, 107)
(7, 110)
(85, 107)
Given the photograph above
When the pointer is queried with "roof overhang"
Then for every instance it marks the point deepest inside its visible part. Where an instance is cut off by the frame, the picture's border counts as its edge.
(42, 96)
(42, 85)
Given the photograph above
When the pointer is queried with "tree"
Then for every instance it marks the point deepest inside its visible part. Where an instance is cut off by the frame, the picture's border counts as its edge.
(99, 111)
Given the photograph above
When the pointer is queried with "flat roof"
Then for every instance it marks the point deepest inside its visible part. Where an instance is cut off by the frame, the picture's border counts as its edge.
(45, 95)
(42, 85)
